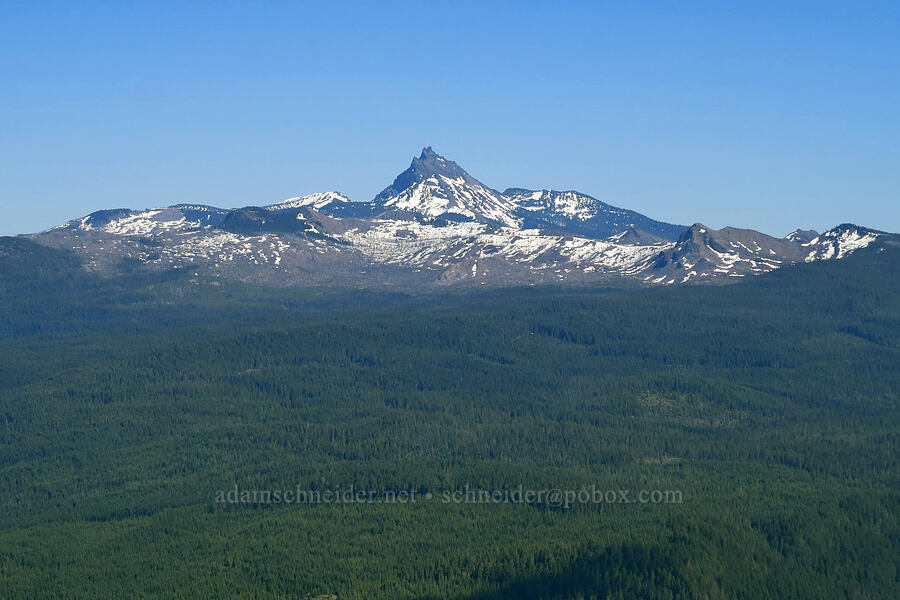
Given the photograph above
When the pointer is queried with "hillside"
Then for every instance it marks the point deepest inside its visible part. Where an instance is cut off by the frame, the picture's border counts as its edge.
(769, 405)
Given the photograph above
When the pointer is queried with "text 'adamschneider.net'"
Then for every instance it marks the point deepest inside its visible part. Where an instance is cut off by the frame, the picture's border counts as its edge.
(555, 498)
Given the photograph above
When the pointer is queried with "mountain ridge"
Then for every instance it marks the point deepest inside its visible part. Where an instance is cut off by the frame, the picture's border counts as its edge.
(436, 225)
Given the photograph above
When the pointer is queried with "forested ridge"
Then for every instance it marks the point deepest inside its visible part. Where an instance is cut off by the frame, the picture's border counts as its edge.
(770, 405)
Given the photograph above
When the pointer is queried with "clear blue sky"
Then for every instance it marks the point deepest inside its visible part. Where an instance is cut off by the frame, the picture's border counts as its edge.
(755, 114)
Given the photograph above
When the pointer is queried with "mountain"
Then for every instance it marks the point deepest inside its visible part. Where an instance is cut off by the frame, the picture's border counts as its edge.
(319, 201)
(702, 252)
(124, 221)
(580, 214)
(839, 242)
(433, 186)
(435, 225)
(128, 404)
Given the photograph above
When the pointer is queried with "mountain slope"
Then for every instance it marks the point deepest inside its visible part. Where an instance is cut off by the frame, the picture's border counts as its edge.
(702, 252)
(580, 214)
(433, 186)
(318, 201)
(434, 225)
(772, 404)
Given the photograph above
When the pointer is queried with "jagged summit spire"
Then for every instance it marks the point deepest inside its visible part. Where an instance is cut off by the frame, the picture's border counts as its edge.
(429, 164)
(433, 186)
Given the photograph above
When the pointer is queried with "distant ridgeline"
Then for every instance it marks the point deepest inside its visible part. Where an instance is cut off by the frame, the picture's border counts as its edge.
(436, 226)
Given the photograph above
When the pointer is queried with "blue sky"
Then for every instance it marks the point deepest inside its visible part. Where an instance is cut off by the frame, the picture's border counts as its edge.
(764, 115)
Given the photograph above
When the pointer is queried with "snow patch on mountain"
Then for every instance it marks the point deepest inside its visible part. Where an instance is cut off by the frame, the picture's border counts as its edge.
(570, 204)
(839, 242)
(318, 201)
(151, 222)
(424, 245)
(439, 195)
(583, 215)
(433, 186)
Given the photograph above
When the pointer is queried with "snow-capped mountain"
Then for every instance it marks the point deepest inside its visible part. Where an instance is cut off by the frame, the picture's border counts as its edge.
(433, 186)
(318, 201)
(124, 221)
(702, 252)
(581, 214)
(839, 242)
(436, 225)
